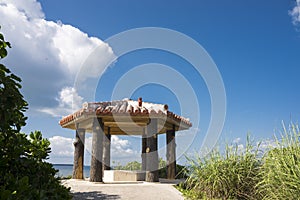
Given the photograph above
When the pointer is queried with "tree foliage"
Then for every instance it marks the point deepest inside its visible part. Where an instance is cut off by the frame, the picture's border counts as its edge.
(134, 165)
(24, 174)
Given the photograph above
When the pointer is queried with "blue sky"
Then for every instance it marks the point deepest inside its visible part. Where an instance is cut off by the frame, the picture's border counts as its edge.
(254, 44)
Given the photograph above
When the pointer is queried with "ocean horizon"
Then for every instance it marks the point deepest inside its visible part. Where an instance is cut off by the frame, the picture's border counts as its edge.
(65, 170)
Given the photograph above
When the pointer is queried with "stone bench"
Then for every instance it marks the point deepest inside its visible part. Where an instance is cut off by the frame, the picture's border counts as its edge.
(123, 176)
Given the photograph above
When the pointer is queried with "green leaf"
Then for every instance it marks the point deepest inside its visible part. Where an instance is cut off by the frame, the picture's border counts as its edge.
(15, 77)
(8, 44)
(3, 52)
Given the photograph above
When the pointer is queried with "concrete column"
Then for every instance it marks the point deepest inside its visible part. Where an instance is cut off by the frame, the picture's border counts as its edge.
(78, 154)
(151, 152)
(171, 154)
(106, 150)
(97, 150)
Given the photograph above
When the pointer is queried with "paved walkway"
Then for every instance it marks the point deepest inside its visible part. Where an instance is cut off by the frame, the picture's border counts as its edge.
(146, 191)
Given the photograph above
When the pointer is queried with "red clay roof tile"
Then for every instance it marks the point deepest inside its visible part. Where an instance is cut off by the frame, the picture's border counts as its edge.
(124, 106)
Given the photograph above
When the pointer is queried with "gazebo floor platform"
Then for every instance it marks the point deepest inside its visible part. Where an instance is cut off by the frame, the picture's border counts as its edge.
(83, 189)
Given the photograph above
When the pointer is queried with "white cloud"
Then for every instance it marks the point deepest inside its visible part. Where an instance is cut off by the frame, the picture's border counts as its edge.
(63, 149)
(263, 145)
(267, 144)
(68, 102)
(29, 7)
(61, 146)
(47, 55)
(295, 13)
(120, 148)
(75, 46)
(236, 146)
(236, 140)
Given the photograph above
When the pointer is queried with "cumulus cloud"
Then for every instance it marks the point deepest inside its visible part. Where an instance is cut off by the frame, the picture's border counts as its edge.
(295, 13)
(30, 8)
(63, 149)
(263, 145)
(61, 146)
(236, 140)
(120, 148)
(68, 102)
(240, 148)
(267, 144)
(47, 55)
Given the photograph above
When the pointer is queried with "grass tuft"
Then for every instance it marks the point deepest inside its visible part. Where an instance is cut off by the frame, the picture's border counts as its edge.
(245, 174)
(280, 170)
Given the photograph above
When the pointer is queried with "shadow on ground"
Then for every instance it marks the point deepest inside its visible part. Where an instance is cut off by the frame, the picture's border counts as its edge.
(93, 195)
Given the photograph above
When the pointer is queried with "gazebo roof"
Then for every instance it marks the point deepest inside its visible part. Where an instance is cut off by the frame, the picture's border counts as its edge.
(125, 117)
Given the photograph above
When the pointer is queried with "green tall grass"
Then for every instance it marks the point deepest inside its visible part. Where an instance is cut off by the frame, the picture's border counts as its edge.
(280, 170)
(232, 175)
(245, 174)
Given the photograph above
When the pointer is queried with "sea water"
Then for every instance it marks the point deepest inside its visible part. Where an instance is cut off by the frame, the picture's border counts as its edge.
(65, 170)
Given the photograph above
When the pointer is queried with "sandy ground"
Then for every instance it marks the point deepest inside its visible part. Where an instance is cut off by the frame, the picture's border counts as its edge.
(83, 189)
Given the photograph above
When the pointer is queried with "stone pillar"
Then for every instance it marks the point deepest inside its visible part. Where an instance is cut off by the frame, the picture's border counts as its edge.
(144, 147)
(106, 150)
(97, 151)
(78, 154)
(151, 152)
(171, 154)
